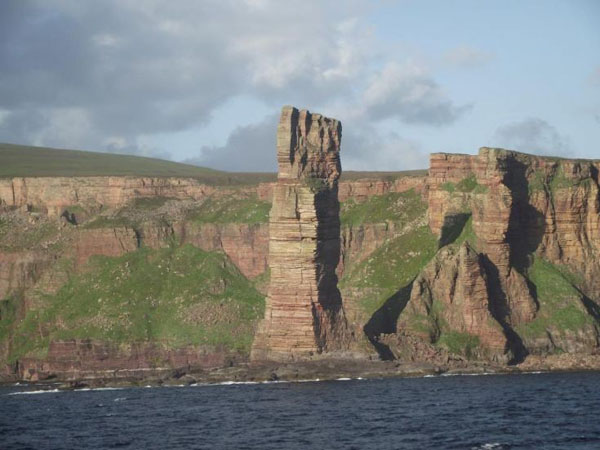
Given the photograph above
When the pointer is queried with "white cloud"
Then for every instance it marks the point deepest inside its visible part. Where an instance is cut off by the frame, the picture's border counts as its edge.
(409, 93)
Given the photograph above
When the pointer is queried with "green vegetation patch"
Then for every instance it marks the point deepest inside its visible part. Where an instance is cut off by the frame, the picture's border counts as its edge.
(467, 184)
(250, 210)
(392, 266)
(537, 181)
(402, 207)
(15, 235)
(149, 203)
(560, 302)
(460, 343)
(561, 181)
(116, 221)
(440, 334)
(173, 296)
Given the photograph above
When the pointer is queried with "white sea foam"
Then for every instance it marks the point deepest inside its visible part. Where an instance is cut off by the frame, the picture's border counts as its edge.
(474, 374)
(98, 389)
(488, 446)
(42, 391)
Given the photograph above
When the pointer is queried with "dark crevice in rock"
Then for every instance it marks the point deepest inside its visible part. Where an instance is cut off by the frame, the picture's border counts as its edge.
(526, 224)
(385, 321)
(500, 310)
(453, 226)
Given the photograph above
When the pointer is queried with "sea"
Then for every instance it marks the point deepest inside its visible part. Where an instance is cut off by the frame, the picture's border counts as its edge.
(528, 411)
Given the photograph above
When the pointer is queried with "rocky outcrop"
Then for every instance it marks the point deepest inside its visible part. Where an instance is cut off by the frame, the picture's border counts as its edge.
(103, 241)
(521, 204)
(84, 359)
(451, 296)
(246, 245)
(304, 314)
(533, 224)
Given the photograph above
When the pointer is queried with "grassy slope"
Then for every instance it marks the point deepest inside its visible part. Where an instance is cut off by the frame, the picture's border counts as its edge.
(561, 309)
(27, 161)
(250, 210)
(400, 208)
(175, 296)
(23, 161)
(393, 265)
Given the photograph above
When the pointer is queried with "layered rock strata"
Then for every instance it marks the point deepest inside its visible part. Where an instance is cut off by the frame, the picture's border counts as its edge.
(304, 315)
(451, 296)
(55, 194)
(533, 224)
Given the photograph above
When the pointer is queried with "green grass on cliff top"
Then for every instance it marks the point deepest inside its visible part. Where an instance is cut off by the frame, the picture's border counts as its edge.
(28, 161)
(250, 210)
(174, 296)
(396, 207)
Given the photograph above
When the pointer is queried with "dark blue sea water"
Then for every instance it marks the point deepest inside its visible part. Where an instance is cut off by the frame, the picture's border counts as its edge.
(539, 411)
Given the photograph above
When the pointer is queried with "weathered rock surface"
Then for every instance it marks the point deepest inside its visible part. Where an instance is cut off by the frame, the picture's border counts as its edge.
(362, 189)
(304, 314)
(451, 296)
(88, 359)
(518, 209)
(55, 194)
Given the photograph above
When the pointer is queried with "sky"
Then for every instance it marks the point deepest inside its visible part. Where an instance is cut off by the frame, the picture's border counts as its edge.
(203, 81)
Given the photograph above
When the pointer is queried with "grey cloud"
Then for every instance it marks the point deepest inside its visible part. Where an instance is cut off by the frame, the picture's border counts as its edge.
(409, 93)
(133, 68)
(532, 135)
(365, 148)
(248, 148)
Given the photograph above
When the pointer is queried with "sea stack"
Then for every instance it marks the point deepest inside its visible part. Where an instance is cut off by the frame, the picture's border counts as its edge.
(304, 316)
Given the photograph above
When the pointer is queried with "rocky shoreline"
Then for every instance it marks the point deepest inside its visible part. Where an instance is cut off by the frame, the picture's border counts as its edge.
(322, 370)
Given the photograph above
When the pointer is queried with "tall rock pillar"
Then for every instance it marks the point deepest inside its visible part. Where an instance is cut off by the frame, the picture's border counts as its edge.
(304, 315)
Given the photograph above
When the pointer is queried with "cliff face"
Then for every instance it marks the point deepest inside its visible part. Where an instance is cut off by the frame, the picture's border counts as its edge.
(491, 257)
(55, 194)
(529, 227)
(304, 314)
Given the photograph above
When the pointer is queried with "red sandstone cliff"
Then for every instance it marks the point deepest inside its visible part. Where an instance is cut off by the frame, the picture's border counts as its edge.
(532, 264)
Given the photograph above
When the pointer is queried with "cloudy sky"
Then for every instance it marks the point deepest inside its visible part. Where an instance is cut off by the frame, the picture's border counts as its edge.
(203, 80)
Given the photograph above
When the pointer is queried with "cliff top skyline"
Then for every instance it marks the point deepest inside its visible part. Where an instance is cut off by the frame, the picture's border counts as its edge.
(406, 78)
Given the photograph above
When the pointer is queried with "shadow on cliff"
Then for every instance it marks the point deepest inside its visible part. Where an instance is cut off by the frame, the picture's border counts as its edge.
(526, 224)
(500, 310)
(385, 321)
(453, 226)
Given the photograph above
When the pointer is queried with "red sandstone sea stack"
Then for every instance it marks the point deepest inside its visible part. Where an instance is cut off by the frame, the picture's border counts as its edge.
(304, 315)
